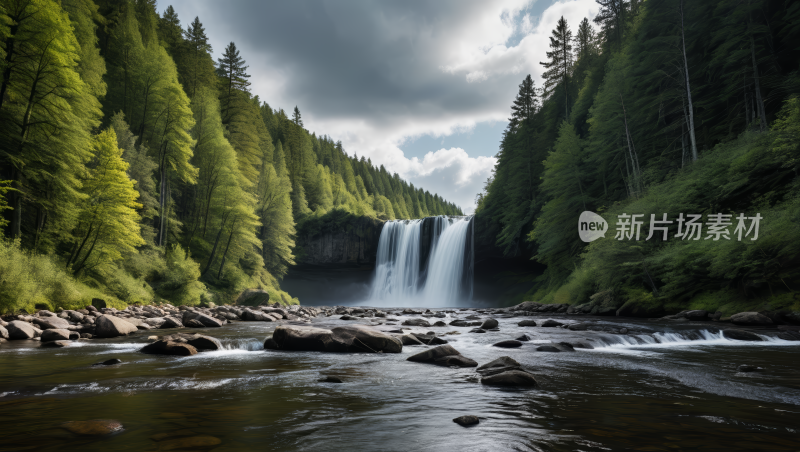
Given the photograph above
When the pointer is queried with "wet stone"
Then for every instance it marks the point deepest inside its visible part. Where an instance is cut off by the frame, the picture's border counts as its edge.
(467, 420)
(94, 427)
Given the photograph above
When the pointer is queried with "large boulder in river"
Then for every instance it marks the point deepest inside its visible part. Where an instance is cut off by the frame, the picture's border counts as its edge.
(489, 324)
(510, 378)
(750, 319)
(416, 322)
(110, 326)
(17, 329)
(499, 365)
(527, 323)
(344, 339)
(55, 335)
(169, 348)
(171, 322)
(508, 344)
(551, 323)
(206, 320)
(443, 355)
(198, 341)
(741, 335)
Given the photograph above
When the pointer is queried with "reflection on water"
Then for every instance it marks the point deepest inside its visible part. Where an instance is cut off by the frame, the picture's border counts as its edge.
(641, 391)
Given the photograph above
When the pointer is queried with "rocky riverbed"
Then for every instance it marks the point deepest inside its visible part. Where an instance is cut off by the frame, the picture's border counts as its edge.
(297, 378)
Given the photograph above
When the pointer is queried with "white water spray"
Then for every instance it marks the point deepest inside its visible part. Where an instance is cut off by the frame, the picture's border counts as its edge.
(404, 277)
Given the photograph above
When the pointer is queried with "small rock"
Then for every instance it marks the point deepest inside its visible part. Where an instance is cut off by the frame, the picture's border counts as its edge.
(108, 362)
(749, 368)
(551, 323)
(169, 348)
(547, 348)
(330, 379)
(95, 427)
(455, 361)
(348, 317)
(623, 331)
(523, 338)
(416, 322)
(527, 323)
(477, 330)
(489, 324)
(439, 323)
(508, 344)
(467, 420)
(578, 326)
(750, 318)
(436, 341)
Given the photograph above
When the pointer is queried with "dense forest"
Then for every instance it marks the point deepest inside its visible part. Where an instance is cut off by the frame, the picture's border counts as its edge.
(657, 107)
(136, 168)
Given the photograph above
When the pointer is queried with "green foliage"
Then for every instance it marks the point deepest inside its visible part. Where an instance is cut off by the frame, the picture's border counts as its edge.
(179, 283)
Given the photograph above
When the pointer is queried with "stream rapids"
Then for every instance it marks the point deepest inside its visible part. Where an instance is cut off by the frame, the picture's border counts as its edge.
(658, 387)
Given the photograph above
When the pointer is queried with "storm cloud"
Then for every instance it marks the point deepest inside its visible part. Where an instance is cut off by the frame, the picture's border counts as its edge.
(377, 74)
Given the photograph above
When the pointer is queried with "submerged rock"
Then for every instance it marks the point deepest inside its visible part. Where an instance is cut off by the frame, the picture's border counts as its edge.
(477, 330)
(416, 322)
(551, 323)
(527, 323)
(741, 335)
(523, 338)
(109, 362)
(749, 368)
(466, 420)
(547, 348)
(455, 361)
(577, 326)
(508, 344)
(95, 427)
(330, 379)
(510, 378)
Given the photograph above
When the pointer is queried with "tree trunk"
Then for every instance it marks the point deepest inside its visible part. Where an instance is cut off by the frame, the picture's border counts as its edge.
(688, 87)
(225, 254)
(759, 101)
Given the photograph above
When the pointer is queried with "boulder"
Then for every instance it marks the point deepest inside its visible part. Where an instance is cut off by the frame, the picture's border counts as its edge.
(527, 323)
(169, 348)
(203, 319)
(344, 339)
(508, 344)
(416, 322)
(198, 341)
(697, 314)
(499, 365)
(434, 353)
(439, 324)
(95, 427)
(108, 362)
(55, 335)
(97, 303)
(547, 348)
(51, 323)
(510, 378)
(749, 368)
(348, 317)
(467, 420)
(523, 338)
(750, 318)
(171, 322)
(551, 323)
(489, 324)
(577, 326)
(17, 329)
(741, 335)
(409, 339)
(110, 326)
(253, 297)
(459, 322)
(56, 344)
(455, 361)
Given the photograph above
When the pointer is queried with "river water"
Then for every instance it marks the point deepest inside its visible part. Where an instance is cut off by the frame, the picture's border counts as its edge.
(673, 394)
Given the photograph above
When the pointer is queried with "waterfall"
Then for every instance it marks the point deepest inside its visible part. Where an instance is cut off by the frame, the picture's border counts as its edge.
(424, 262)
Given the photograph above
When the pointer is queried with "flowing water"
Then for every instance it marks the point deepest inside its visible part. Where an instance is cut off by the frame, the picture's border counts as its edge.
(661, 387)
(403, 277)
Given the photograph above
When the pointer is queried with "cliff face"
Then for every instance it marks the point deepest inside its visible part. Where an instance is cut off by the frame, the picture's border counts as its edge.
(353, 242)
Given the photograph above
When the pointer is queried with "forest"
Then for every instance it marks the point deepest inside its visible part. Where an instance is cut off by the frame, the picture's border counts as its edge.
(135, 168)
(657, 107)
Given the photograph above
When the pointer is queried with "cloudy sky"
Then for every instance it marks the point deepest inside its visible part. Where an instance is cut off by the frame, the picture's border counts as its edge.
(423, 87)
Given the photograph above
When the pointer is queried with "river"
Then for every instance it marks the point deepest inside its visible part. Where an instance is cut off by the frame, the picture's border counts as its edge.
(681, 392)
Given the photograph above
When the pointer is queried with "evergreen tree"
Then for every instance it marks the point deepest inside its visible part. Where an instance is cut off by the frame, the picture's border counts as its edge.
(559, 67)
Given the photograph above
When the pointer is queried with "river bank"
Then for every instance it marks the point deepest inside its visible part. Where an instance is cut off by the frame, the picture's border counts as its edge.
(641, 384)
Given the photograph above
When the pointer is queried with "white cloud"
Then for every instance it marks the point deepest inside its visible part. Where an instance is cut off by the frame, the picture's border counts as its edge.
(374, 75)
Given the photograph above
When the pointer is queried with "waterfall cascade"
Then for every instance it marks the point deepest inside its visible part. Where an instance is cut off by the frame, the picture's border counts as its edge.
(424, 262)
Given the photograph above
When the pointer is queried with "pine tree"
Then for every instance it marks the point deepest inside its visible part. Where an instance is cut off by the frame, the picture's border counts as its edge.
(233, 70)
(170, 32)
(559, 68)
(296, 117)
(196, 65)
